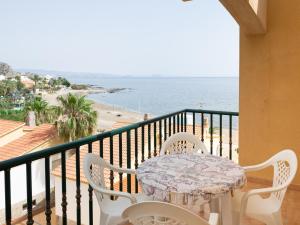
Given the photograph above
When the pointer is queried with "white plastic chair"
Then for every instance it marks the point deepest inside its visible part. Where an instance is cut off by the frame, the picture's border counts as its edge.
(111, 210)
(183, 142)
(161, 213)
(267, 209)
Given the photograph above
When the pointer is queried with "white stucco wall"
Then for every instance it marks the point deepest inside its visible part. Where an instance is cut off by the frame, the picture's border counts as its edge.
(71, 199)
(18, 186)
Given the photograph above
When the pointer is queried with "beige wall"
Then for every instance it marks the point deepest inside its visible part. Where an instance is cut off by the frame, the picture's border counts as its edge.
(270, 87)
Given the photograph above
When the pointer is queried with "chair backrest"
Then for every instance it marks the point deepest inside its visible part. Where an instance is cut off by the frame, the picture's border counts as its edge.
(94, 171)
(183, 142)
(161, 213)
(285, 167)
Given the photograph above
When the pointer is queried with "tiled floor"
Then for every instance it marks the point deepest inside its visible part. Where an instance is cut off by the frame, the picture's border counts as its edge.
(290, 210)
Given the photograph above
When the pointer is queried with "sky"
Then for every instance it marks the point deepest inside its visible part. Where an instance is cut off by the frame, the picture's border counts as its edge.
(124, 37)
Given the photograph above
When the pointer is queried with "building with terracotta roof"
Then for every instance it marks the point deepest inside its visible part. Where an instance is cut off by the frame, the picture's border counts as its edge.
(16, 140)
(10, 130)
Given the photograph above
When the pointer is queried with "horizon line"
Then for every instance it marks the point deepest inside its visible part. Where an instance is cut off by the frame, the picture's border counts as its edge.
(125, 75)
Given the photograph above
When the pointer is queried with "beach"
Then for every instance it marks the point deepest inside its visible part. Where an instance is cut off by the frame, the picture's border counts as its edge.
(108, 115)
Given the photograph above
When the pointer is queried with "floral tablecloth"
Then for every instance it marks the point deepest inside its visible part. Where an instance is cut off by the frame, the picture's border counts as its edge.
(189, 178)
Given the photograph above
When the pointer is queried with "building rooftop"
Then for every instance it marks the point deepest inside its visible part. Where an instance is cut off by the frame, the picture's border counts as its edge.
(28, 142)
(8, 126)
(71, 162)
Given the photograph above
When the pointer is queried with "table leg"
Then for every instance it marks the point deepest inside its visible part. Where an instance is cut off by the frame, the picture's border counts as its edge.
(214, 205)
(226, 209)
(222, 206)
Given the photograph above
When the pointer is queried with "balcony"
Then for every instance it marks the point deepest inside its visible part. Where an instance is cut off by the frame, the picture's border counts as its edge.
(55, 190)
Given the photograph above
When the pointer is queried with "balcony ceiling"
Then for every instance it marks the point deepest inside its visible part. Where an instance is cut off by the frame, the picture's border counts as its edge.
(249, 14)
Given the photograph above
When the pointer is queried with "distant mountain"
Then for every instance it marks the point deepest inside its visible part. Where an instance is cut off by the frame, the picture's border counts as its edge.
(56, 73)
(6, 70)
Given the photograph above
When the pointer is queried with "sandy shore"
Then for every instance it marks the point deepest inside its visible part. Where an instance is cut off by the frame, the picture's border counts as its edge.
(107, 115)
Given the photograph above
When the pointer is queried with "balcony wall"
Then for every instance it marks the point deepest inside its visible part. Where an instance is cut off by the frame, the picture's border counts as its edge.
(270, 87)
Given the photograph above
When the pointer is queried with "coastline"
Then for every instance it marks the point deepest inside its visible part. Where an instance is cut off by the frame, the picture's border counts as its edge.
(108, 115)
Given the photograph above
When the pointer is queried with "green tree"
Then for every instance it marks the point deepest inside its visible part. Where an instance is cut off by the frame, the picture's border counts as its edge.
(20, 85)
(36, 78)
(40, 108)
(63, 81)
(7, 87)
(77, 119)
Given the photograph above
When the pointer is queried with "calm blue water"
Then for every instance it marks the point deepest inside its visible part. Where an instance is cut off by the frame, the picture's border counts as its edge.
(158, 96)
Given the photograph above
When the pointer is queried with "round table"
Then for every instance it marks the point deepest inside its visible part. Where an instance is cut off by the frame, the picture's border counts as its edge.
(191, 179)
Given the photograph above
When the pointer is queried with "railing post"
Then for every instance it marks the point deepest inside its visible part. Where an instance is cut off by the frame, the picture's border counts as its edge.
(90, 190)
(154, 140)
(29, 194)
(120, 162)
(211, 133)
(48, 211)
(165, 129)
(128, 161)
(136, 156)
(143, 143)
(178, 123)
(221, 131)
(160, 134)
(202, 127)
(170, 126)
(7, 196)
(230, 137)
(194, 124)
(101, 148)
(181, 123)
(185, 121)
(174, 125)
(111, 161)
(149, 140)
(64, 188)
(78, 192)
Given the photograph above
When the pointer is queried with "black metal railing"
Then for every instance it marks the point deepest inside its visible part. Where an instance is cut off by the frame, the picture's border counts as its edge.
(143, 140)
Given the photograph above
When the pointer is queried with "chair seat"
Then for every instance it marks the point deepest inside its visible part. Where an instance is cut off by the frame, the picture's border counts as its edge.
(116, 208)
(256, 204)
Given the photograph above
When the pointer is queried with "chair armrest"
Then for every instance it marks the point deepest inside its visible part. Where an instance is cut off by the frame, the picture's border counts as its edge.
(257, 166)
(116, 193)
(213, 219)
(258, 191)
(122, 170)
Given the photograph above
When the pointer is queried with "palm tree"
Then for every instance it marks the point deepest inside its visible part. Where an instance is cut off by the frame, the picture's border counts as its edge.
(77, 119)
(36, 78)
(41, 110)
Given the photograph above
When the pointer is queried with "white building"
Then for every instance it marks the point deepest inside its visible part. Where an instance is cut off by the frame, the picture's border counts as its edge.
(16, 139)
(2, 77)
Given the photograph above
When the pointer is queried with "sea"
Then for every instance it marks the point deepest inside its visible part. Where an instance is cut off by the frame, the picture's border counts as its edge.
(161, 95)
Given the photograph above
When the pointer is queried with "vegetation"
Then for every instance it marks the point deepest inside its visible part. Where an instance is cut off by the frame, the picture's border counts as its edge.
(77, 118)
(79, 87)
(19, 84)
(63, 81)
(11, 114)
(43, 112)
(36, 78)
(7, 87)
(74, 118)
